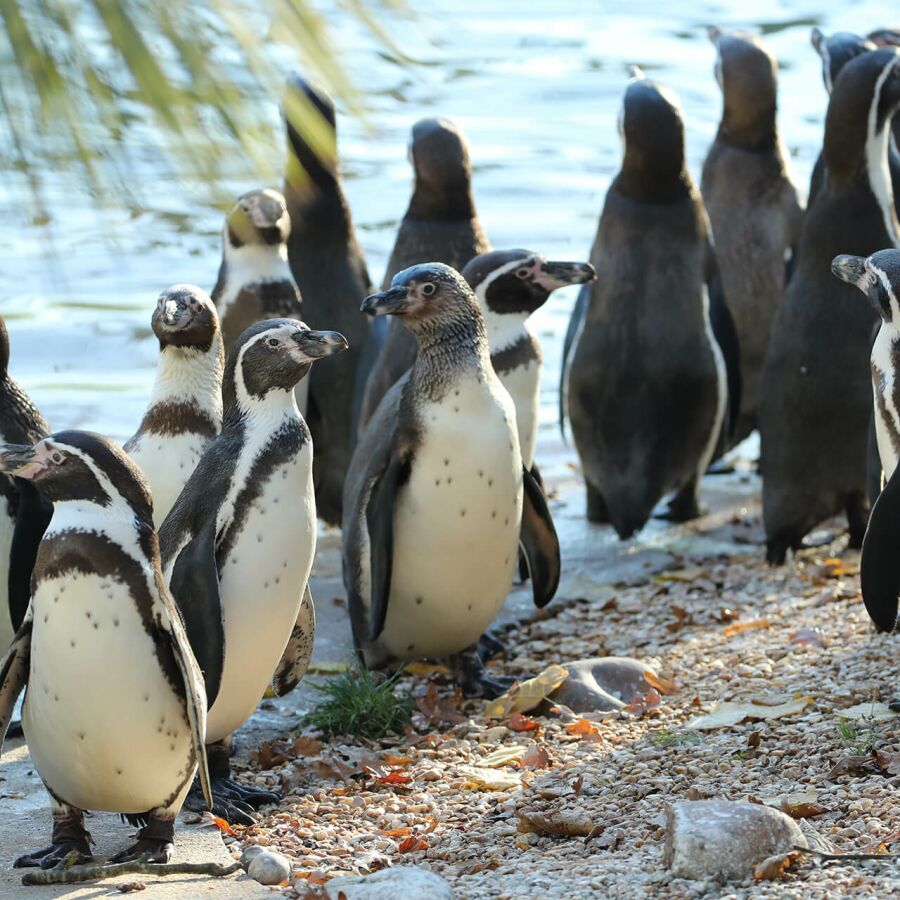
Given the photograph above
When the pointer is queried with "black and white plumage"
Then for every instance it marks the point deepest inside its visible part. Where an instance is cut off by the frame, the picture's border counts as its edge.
(816, 390)
(753, 208)
(115, 710)
(185, 410)
(436, 492)
(645, 378)
(330, 271)
(239, 543)
(440, 225)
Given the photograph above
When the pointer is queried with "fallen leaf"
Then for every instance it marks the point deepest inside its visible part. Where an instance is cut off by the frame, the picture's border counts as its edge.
(525, 695)
(640, 703)
(270, 754)
(682, 618)
(129, 887)
(740, 627)
(535, 758)
(852, 764)
(753, 740)
(578, 784)
(393, 760)
(395, 776)
(412, 844)
(663, 685)
(874, 712)
(565, 823)
(327, 668)
(440, 709)
(426, 670)
(503, 756)
(220, 823)
(482, 779)
(518, 722)
(723, 715)
(684, 576)
(799, 805)
(582, 726)
(808, 637)
(837, 568)
(396, 832)
(726, 614)
(306, 746)
(610, 604)
(889, 763)
(775, 867)
(475, 868)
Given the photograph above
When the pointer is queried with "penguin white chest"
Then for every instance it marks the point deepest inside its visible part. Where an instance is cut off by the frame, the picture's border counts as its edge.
(887, 416)
(7, 527)
(262, 582)
(105, 728)
(523, 384)
(456, 523)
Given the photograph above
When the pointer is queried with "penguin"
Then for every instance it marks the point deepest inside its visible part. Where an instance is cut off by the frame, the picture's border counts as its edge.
(238, 545)
(646, 379)
(752, 204)
(816, 393)
(24, 513)
(836, 51)
(440, 225)
(115, 709)
(436, 494)
(185, 411)
(329, 269)
(510, 285)
(889, 37)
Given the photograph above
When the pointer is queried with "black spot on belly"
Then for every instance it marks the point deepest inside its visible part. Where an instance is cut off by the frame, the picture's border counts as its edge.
(490, 482)
(116, 622)
(481, 473)
(410, 648)
(80, 735)
(446, 461)
(71, 643)
(462, 512)
(418, 601)
(118, 771)
(470, 607)
(437, 481)
(494, 514)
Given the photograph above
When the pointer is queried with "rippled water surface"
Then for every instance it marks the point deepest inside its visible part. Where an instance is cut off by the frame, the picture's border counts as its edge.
(536, 86)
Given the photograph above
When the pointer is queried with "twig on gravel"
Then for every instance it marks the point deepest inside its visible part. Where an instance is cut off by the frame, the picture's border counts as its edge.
(77, 874)
(834, 857)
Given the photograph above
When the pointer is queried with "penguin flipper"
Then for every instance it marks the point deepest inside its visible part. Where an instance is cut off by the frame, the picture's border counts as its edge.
(539, 541)
(880, 560)
(725, 333)
(295, 659)
(195, 587)
(14, 672)
(32, 518)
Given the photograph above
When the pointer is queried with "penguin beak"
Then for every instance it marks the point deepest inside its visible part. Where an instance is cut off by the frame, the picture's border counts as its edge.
(319, 344)
(394, 301)
(555, 275)
(173, 314)
(851, 269)
(20, 460)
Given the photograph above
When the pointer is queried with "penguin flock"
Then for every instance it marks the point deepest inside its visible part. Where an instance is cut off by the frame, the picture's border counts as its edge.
(156, 591)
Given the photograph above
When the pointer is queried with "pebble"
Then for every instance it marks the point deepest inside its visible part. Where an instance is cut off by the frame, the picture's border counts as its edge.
(267, 867)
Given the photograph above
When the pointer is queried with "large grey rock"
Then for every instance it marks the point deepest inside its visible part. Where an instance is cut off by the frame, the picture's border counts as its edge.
(601, 684)
(725, 839)
(399, 883)
(268, 867)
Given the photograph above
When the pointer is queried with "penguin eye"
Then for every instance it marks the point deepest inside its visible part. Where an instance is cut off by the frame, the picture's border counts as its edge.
(57, 457)
(427, 289)
(873, 278)
(273, 342)
(522, 273)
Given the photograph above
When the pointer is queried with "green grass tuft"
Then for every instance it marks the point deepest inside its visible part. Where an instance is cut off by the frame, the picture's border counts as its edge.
(859, 742)
(361, 704)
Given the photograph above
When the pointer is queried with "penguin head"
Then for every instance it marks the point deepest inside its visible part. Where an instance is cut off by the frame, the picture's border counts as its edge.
(258, 218)
(836, 51)
(273, 355)
(81, 466)
(311, 125)
(517, 282)
(885, 37)
(747, 74)
(185, 317)
(440, 157)
(878, 277)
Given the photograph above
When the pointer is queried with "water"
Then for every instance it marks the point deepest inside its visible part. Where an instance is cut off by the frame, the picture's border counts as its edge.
(535, 86)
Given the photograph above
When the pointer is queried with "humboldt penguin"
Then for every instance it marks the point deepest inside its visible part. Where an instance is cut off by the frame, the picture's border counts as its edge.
(24, 512)
(330, 271)
(185, 411)
(510, 285)
(115, 710)
(440, 225)
(238, 545)
(752, 205)
(436, 494)
(646, 379)
(816, 392)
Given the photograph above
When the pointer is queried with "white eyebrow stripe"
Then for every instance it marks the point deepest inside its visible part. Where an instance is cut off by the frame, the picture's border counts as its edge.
(886, 284)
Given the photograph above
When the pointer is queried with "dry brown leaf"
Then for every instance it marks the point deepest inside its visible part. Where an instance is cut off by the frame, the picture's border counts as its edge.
(306, 746)
(271, 754)
(519, 722)
(406, 831)
(753, 739)
(852, 764)
(582, 727)
(775, 867)
(888, 763)
(426, 670)
(475, 868)
(221, 824)
(682, 618)
(395, 776)
(440, 709)
(392, 760)
(536, 757)
(657, 682)
(740, 627)
(578, 784)
(564, 823)
(802, 805)
(726, 614)
(525, 695)
(412, 844)
(723, 715)
(640, 703)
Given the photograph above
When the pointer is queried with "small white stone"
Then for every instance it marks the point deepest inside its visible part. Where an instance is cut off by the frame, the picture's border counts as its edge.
(269, 868)
(397, 883)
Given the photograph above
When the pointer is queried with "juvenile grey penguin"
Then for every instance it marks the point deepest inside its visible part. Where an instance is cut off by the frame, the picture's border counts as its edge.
(115, 710)
(510, 285)
(440, 225)
(24, 513)
(816, 397)
(436, 491)
(238, 545)
(752, 205)
(330, 271)
(647, 383)
(185, 411)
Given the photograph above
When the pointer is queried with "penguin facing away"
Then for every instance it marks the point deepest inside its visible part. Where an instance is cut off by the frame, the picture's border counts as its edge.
(436, 493)
(115, 709)
(752, 205)
(646, 378)
(510, 285)
(185, 411)
(329, 269)
(238, 545)
(816, 397)
(24, 513)
(440, 225)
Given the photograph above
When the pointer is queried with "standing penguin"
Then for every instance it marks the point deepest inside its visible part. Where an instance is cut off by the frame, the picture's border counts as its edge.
(816, 393)
(510, 285)
(330, 271)
(434, 497)
(24, 513)
(440, 225)
(752, 205)
(185, 411)
(238, 545)
(115, 712)
(646, 378)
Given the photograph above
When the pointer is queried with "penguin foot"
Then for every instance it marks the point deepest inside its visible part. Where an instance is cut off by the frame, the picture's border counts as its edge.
(597, 510)
(683, 507)
(476, 681)
(155, 843)
(234, 802)
(71, 845)
(489, 646)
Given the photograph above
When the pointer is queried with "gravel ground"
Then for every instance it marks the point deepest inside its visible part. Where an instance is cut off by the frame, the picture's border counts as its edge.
(726, 629)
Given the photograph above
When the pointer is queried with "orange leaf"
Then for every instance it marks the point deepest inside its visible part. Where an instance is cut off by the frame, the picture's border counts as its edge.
(535, 758)
(398, 832)
(775, 867)
(432, 824)
(519, 722)
(395, 776)
(663, 685)
(739, 627)
(412, 844)
(221, 824)
(582, 726)
(392, 760)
